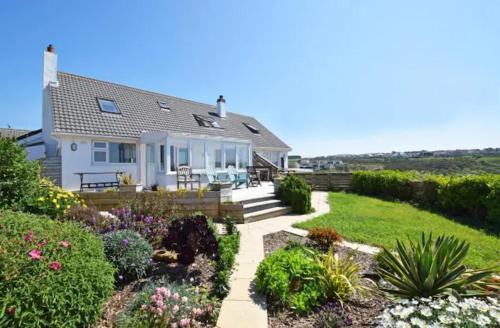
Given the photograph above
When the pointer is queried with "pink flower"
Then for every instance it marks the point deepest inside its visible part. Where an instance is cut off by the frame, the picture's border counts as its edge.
(185, 322)
(176, 296)
(144, 307)
(56, 265)
(197, 312)
(35, 254)
(29, 236)
(175, 309)
(65, 243)
(184, 299)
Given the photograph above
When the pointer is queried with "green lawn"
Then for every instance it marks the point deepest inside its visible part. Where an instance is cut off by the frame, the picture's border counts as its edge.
(377, 222)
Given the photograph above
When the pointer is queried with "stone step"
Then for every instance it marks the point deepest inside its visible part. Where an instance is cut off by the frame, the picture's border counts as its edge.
(259, 206)
(258, 199)
(267, 213)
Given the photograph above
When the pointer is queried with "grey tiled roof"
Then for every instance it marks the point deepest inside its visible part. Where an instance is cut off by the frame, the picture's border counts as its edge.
(76, 110)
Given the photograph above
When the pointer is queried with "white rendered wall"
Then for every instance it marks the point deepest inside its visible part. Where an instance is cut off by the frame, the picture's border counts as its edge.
(81, 161)
(35, 152)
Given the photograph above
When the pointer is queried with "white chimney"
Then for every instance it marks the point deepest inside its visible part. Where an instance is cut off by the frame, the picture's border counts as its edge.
(50, 67)
(221, 106)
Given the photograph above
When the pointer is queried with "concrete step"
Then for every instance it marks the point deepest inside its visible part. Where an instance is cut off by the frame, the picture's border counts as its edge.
(267, 213)
(259, 199)
(262, 205)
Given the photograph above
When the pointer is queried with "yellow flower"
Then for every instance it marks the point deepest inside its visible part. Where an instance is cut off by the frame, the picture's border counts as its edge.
(54, 200)
(68, 206)
(57, 206)
(41, 199)
(85, 206)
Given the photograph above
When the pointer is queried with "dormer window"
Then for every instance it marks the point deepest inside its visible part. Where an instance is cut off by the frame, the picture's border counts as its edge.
(108, 106)
(252, 128)
(164, 106)
(206, 122)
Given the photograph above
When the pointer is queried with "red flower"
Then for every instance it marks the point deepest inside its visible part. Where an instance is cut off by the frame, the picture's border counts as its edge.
(56, 265)
(65, 244)
(35, 254)
(29, 236)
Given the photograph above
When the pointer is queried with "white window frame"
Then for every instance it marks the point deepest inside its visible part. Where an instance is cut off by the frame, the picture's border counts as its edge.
(106, 150)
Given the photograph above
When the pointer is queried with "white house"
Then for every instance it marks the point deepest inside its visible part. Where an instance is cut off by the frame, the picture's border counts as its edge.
(97, 126)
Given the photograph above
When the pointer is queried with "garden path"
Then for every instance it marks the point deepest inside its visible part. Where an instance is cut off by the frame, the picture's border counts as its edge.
(243, 307)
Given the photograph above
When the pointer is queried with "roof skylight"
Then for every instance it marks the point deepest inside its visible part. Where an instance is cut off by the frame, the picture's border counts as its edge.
(164, 106)
(207, 122)
(252, 128)
(108, 106)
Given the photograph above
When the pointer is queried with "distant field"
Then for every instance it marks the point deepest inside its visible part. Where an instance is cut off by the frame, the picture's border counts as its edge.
(443, 165)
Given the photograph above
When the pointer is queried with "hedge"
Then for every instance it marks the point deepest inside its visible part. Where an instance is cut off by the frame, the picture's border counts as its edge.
(472, 195)
(295, 192)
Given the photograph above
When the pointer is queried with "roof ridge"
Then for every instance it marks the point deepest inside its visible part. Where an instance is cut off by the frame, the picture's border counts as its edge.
(137, 89)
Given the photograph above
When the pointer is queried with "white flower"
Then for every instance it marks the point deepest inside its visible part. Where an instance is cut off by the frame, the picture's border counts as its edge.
(482, 320)
(492, 300)
(445, 319)
(406, 312)
(418, 322)
(402, 324)
(426, 311)
(426, 299)
(452, 309)
(452, 299)
(495, 314)
(414, 302)
(483, 307)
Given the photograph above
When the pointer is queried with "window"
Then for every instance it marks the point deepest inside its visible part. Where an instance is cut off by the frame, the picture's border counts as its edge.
(183, 157)
(242, 157)
(179, 156)
(230, 151)
(164, 106)
(121, 153)
(214, 153)
(173, 159)
(108, 106)
(162, 158)
(207, 122)
(198, 155)
(252, 128)
(100, 151)
(113, 152)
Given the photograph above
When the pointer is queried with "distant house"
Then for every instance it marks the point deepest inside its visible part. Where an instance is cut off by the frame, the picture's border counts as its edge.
(12, 133)
(96, 126)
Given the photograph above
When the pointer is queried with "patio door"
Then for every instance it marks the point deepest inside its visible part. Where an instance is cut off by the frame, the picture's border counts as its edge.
(150, 165)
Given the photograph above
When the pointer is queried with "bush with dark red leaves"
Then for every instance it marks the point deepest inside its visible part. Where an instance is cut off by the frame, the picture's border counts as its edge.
(189, 237)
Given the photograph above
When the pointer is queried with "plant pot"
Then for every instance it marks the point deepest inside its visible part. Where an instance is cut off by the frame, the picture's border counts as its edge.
(218, 186)
(129, 188)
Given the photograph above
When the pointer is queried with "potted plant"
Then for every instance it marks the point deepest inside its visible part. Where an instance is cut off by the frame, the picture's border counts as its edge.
(127, 183)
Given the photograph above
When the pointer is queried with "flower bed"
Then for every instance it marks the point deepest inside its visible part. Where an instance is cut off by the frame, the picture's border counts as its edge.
(356, 311)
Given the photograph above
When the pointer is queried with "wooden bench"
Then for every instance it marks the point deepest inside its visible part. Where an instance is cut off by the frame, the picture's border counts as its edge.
(100, 184)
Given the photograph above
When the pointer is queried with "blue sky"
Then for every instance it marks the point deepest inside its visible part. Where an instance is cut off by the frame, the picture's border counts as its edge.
(327, 76)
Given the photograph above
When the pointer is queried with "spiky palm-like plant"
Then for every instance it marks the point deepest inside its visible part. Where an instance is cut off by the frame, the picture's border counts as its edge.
(429, 268)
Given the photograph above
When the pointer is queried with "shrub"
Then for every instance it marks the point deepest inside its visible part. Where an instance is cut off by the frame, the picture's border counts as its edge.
(340, 277)
(228, 248)
(129, 253)
(18, 176)
(384, 184)
(52, 274)
(471, 195)
(323, 238)
(230, 224)
(294, 191)
(287, 278)
(439, 312)
(88, 217)
(332, 315)
(151, 227)
(159, 204)
(428, 268)
(189, 237)
(51, 200)
(163, 304)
